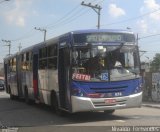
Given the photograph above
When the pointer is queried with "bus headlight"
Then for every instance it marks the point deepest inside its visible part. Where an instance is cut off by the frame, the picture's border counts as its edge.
(138, 89)
(77, 92)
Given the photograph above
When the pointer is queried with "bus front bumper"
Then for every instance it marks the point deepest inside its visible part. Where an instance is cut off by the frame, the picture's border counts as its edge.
(81, 104)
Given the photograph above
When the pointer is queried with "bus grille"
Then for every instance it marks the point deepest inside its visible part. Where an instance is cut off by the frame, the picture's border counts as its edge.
(109, 89)
(102, 103)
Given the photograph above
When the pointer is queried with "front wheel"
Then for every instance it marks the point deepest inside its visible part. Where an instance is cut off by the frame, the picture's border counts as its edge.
(109, 111)
(55, 105)
(26, 97)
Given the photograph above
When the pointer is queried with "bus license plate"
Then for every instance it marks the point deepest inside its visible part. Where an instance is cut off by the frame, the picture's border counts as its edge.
(110, 101)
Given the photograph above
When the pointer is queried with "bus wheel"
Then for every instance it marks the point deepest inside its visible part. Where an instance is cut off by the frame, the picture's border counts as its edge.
(54, 104)
(26, 98)
(12, 97)
(109, 111)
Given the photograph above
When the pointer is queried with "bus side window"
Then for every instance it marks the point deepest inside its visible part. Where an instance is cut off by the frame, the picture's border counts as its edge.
(30, 60)
(52, 57)
(23, 62)
(14, 64)
(52, 63)
(43, 58)
(10, 67)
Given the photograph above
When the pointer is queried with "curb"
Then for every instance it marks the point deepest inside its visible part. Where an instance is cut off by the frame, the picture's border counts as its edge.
(152, 106)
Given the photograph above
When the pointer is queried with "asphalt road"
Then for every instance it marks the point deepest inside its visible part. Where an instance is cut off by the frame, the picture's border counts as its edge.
(17, 114)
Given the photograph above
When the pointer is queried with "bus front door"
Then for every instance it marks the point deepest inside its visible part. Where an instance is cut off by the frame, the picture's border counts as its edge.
(63, 78)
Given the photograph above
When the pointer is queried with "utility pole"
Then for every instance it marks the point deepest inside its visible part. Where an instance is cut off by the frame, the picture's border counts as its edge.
(137, 38)
(97, 8)
(19, 47)
(4, 1)
(42, 30)
(8, 43)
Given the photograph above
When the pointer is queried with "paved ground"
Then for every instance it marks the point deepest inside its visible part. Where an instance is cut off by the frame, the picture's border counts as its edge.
(40, 118)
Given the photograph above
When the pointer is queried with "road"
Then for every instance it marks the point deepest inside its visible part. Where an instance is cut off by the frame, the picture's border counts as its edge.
(15, 113)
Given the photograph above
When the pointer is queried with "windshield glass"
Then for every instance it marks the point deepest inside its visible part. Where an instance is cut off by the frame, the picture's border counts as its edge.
(105, 63)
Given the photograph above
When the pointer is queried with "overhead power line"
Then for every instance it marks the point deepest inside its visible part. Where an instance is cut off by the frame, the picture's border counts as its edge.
(152, 35)
(77, 12)
(72, 15)
(66, 19)
(134, 18)
(62, 18)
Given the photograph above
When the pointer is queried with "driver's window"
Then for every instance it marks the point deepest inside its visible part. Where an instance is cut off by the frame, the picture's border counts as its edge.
(129, 60)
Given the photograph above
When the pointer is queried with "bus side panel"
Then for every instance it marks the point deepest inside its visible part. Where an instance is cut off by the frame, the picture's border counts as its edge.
(43, 84)
(13, 77)
(6, 76)
(13, 84)
(20, 93)
(48, 81)
(48, 73)
(29, 84)
(52, 81)
(35, 76)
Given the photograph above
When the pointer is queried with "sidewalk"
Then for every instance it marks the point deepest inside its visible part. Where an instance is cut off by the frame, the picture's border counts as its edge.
(151, 104)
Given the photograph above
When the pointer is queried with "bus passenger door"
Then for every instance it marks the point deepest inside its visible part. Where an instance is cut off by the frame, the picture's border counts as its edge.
(63, 77)
(35, 76)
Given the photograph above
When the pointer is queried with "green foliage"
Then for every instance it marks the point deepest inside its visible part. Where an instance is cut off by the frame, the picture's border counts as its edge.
(155, 64)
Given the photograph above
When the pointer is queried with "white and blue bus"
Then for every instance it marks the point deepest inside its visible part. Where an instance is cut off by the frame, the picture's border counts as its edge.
(85, 70)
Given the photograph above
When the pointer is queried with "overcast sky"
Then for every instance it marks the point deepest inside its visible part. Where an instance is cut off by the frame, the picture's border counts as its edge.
(19, 17)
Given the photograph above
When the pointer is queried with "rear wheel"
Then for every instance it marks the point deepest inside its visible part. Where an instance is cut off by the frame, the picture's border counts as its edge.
(55, 105)
(109, 111)
(12, 97)
(26, 97)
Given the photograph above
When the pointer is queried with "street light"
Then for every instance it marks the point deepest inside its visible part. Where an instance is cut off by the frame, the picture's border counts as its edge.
(96, 8)
(42, 30)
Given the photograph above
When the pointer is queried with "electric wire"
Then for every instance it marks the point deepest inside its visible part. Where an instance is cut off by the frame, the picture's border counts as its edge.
(130, 19)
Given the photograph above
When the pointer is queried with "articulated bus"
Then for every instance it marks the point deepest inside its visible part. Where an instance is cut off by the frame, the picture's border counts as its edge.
(83, 70)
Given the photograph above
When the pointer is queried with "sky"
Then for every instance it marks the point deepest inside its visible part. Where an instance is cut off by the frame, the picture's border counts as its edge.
(18, 18)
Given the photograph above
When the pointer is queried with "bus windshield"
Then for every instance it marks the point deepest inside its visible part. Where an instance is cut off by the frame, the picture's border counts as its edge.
(105, 63)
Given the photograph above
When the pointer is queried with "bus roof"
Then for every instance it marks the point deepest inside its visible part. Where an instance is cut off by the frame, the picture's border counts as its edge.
(101, 31)
(41, 44)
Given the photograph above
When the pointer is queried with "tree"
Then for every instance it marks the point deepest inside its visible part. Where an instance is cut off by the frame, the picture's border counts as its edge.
(155, 64)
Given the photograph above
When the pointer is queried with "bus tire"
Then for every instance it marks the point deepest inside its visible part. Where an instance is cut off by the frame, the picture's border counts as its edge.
(26, 98)
(12, 97)
(55, 105)
(109, 112)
